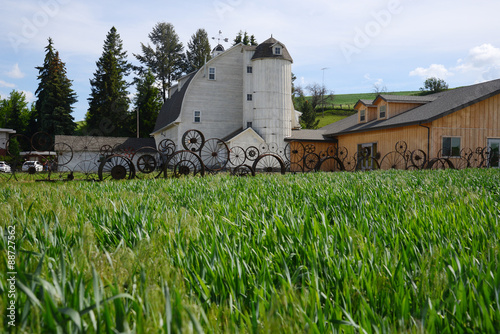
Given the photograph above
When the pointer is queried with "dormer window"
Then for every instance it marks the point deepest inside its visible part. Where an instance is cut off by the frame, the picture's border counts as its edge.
(277, 50)
(362, 115)
(383, 111)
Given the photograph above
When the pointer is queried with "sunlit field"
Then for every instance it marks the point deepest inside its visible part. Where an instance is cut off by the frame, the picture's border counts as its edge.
(364, 252)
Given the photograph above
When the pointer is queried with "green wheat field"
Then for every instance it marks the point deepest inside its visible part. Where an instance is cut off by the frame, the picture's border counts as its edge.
(377, 252)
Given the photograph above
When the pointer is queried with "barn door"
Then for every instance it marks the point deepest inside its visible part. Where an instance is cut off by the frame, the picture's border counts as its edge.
(494, 153)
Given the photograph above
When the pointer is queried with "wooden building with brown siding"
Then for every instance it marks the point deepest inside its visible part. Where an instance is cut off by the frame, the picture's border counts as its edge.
(444, 124)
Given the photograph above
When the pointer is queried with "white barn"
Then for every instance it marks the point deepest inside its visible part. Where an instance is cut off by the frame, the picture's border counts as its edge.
(242, 95)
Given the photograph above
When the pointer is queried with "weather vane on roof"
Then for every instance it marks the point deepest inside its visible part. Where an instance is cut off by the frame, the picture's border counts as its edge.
(219, 38)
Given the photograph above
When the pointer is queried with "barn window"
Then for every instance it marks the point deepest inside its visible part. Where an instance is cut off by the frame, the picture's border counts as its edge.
(362, 115)
(197, 116)
(211, 73)
(383, 111)
(277, 50)
(249, 124)
(249, 69)
(451, 147)
(249, 97)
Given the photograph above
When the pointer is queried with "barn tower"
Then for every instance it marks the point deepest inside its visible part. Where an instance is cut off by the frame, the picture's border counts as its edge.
(273, 111)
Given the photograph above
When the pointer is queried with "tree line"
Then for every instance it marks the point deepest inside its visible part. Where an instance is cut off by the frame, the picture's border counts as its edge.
(111, 111)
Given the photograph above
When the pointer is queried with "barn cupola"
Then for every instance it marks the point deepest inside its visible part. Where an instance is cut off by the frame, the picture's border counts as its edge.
(217, 50)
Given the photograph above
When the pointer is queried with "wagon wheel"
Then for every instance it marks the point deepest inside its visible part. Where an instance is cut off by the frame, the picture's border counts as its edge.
(331, 151)
(418, 158)
(6, 176)
(273, 147)
(310, 148)
(486, 154)
(269, 163)
(237, 156)
(252, 153)
(61, 173)
(342, 153)
(116, 167)
(323, 155)
(330, 164)
(281, 153)
(148, 162)
(393, 160)
(349, 164)
(413, 167)
(294, 168)
(475, 160)
(193, 140)
(41, 141)
(401, 147)
(311, 161)
(106, 150)
(64, 153)
(263, 148)
(214, 154)
(243, 170)
(297, 152)
(18, 143)
(86, 170)
(183, 163)
(459, 163)
(166, 147)
(439, 163)
(367, 163)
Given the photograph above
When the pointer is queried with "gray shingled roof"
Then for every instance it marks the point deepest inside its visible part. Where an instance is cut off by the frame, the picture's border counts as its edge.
(407, 98)
(171, 109)
(309, 135)
(443, 104)
(265, 50)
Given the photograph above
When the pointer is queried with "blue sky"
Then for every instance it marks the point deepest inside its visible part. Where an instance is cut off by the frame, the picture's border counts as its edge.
(358, 43)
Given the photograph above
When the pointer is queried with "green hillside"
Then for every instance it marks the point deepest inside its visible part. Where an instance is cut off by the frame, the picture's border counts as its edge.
(342, 106)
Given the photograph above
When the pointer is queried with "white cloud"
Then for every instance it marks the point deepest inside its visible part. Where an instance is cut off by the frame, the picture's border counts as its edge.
(6, 84)
(435, 70)
(30, 97)
(16, 72)
(483, 61)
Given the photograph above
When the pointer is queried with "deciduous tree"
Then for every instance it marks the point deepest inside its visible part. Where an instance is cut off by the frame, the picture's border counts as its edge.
(147, 102)
(434, 85)
(165, 59)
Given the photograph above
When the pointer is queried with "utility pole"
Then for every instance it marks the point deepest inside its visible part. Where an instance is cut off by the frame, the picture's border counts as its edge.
(137, 122)
(323, 92)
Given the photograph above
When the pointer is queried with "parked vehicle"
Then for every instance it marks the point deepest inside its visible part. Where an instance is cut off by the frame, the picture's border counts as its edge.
(4, 167)
(32, 166)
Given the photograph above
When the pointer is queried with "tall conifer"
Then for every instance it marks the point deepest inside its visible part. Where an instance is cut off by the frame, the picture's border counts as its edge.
(108, 113)
(55, 97)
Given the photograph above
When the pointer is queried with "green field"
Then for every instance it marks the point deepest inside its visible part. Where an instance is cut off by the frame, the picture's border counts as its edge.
(374, 252)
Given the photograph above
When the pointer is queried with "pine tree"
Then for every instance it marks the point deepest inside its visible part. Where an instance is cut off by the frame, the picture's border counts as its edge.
(245, 39)
(198, 51)
(108, 113)
(148, 102)
(308, 117)
(55, 97)
(165, 58)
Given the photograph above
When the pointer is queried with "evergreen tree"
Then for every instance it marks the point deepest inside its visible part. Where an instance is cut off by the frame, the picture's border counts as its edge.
(108, 103)
(14, 112)
(198, 51)
(55, 97)
(308, 118)
(148, 102)
(165, 58)
(245, 39)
